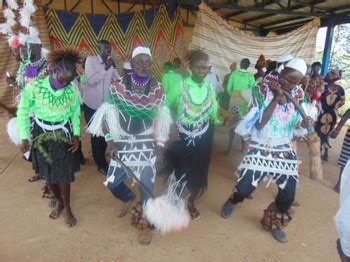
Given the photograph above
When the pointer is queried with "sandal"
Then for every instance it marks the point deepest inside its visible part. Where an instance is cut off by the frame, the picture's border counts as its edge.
(46, 193)
(34, 178)
(195, 215)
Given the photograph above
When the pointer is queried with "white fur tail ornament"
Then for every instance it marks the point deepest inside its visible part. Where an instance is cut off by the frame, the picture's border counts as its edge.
(168, 213)
(13, 131)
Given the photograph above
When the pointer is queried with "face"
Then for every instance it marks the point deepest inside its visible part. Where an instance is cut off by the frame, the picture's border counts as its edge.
(289, 78)
(332, 76)
(200, 69)
(105, 50)
(34, 50)
(316, 69)
(16, 54)
(142, 65)
(65, 77)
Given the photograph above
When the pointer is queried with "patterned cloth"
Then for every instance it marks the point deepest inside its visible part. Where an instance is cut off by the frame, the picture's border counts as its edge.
(194, 104)
(314, 88)
(50, 105)
(331, 100)
(345, 150)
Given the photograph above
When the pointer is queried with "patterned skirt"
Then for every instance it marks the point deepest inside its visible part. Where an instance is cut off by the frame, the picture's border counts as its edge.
(51, 159)
(191, 158)
(273, 164)
(345, 151)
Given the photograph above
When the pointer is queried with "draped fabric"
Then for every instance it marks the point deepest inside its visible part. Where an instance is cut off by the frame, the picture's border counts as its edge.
(226, 44)
(159, 28)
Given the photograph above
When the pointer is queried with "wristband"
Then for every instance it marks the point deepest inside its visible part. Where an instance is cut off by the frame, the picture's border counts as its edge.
(108, 137)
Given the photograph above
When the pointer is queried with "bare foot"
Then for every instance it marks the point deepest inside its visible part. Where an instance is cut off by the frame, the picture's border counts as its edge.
(56, 211)
(69, 218)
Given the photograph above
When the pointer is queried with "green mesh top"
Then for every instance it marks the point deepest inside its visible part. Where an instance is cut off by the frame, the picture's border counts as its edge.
(194, 104)
(47, 104)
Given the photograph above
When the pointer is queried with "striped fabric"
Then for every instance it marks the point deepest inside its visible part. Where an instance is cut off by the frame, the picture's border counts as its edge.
(8, 64)
(226, 44)
(345, 151)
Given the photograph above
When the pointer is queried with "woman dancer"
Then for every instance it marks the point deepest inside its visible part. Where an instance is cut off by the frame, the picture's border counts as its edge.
(195, 113)
(53, 102)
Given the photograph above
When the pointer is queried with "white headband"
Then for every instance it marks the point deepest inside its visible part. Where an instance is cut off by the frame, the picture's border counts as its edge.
(285, 57)
(141, 50)
(298, 64)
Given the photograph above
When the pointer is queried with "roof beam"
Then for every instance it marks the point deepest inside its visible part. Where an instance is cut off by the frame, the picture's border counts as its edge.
(317, 2)
(257, 4)
(267, 11)
(280, 24)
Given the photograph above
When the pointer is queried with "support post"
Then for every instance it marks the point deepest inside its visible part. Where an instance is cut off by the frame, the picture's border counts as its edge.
(328, 47)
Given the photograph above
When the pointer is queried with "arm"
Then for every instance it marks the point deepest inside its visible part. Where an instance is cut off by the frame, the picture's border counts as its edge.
(116, 75)
(340, 125)
(252, 81)
(279, 98)
(93, 75)
(25, 104)
(76, 115)
(215, 114)
(230, 83)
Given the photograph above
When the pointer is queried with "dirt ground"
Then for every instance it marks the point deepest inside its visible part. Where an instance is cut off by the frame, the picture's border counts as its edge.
(27, 234)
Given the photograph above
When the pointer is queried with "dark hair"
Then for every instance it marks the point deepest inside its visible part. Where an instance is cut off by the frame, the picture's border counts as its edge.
(195, 55)
(271, 67)
(104, 42)
(245, 63)
(66, 59)
(177, 62)
(316, 64)
(168, 65)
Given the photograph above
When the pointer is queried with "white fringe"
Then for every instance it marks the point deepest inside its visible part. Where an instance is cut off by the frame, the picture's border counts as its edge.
(5, 29)
(162, 124)
(10, 39)
(106, 117)
(168, 213)
(33, 31)
(244, 127)
(8, 13)
(13, 131)
(45, 52)
(12, 4)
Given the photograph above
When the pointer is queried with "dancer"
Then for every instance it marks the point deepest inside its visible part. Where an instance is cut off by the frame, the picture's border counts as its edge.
(239, 88)
(270, 155)
(331, 100)
(135, 124)
(54, 105)
(195, 112)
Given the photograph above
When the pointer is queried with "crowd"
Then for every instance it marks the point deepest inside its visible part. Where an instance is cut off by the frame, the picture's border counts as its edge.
(168, 127)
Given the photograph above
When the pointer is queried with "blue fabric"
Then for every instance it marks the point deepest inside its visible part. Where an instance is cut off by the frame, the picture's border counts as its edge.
(118, 188)
(68, 19)
(97, 21)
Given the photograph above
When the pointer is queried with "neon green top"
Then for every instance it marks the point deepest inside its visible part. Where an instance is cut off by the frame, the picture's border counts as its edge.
(240, 80)
(45, 103)
(171, 80)
(194, 104)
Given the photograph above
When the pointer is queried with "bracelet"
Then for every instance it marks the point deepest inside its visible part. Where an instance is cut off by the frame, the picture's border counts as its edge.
(108, 137)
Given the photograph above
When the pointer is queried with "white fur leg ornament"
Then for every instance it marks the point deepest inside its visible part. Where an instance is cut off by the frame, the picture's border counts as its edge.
(13, 131)
(168, 213)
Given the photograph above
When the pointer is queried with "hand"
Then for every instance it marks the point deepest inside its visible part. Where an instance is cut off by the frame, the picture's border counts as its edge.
(75, 144)
(11, 80)
(174, 133)
(333, 134)
(25, 146)
(277, 90)
(160, 160)
(109, 62)
(309, 122)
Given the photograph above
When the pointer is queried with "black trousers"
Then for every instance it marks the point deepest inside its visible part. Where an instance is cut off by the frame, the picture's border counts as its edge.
(284, 199)
(98, 144)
